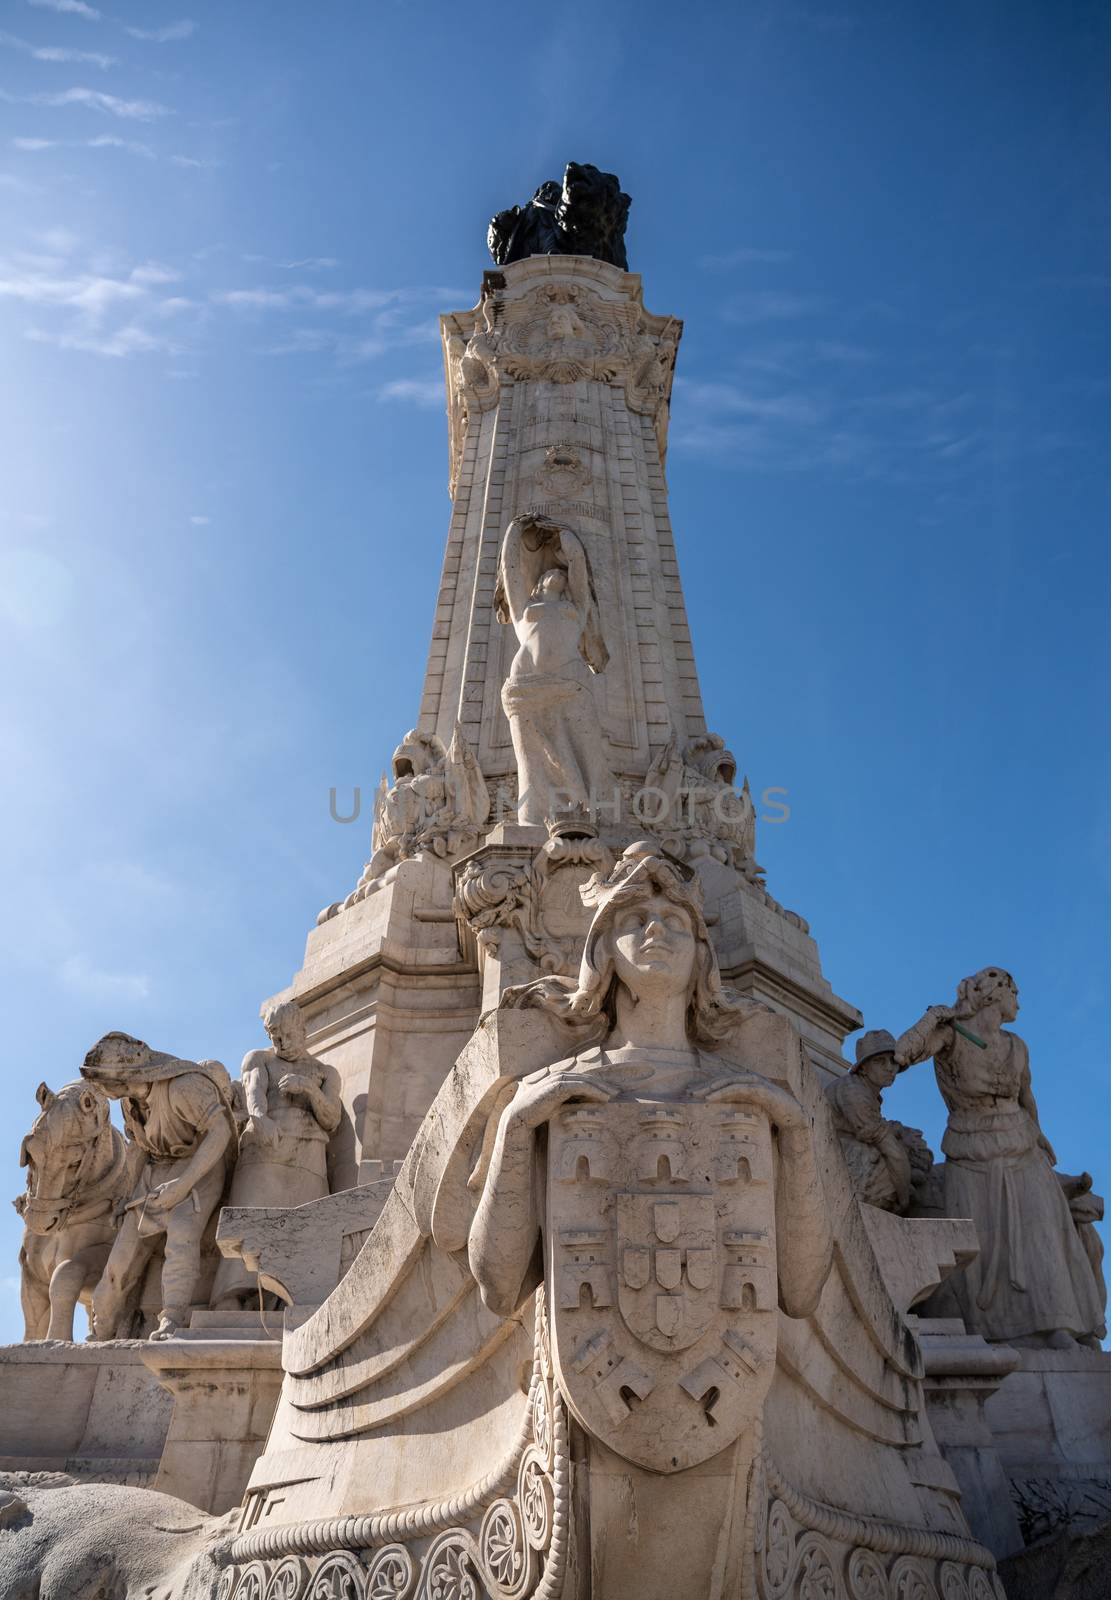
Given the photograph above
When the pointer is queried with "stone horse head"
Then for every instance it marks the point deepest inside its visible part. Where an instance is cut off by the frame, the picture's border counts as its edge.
(67, 1151)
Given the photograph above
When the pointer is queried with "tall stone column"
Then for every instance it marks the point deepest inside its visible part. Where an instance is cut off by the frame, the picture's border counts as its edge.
(559, 386)
(558, 390)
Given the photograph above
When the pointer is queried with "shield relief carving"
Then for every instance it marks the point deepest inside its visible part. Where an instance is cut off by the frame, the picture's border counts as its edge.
(664, 1316)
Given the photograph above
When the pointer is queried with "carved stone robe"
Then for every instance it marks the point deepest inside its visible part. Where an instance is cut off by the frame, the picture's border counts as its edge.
(1032, 1275)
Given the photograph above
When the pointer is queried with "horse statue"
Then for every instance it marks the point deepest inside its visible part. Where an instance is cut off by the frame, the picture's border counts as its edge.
(80, 1170)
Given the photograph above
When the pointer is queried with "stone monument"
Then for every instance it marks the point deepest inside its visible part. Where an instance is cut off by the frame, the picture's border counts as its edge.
(564, 1257)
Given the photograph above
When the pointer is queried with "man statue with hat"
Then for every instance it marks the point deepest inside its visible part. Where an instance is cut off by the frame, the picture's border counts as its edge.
(887, 1162)
(180, 1114)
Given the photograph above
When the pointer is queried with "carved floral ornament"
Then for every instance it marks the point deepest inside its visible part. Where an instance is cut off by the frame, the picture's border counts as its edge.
(562, 333)
(808, 1551)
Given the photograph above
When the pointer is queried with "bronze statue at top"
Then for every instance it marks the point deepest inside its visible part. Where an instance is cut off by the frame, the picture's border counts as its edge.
(583, 216)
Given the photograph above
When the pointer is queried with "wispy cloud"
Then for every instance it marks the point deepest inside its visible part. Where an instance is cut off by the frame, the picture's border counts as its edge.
(771, 305)
(55, 52)
(93, 311)
(102, 141)
(310, 264)
(359, 324)
(729, 399)
(69, 8)
(154, 272)
(200, 522)
(394, 304)
(81, 976)
(93, 100)
(254, 299)
(744, 256)
(170, 34)
(415, 391)
(130, 340)
(193, 161)
(813, 406)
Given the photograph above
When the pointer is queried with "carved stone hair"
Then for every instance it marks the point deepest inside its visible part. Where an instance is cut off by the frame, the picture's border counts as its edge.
(589, 1004)
(974, 993)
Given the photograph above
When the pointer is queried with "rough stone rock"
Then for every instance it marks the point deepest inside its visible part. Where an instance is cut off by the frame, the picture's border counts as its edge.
(1072, 1565)
(80, 1543)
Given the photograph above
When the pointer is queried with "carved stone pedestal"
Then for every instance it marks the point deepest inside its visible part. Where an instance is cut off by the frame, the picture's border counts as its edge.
(389, 1001)
(1051, 1422)
(963, 1372)
(93, 1411)
(224, 1393)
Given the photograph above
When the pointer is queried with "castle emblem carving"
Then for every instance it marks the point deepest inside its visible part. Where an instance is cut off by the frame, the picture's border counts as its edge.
(661, 1229)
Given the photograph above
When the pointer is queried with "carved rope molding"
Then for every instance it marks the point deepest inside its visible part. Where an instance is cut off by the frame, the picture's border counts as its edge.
(519, 1553)
(366, 1532)
(797, 1554)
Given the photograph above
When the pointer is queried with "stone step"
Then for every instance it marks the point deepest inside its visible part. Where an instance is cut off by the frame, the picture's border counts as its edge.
(233, 1325)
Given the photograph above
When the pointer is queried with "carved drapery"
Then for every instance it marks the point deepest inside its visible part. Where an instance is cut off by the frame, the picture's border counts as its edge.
(504, 1540)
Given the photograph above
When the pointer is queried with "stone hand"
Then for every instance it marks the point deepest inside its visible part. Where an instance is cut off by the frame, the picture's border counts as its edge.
(168, 1195)
(778, 1104)
(265, 1130)
(910, 1045)
(295, 1086)
(537, 1103)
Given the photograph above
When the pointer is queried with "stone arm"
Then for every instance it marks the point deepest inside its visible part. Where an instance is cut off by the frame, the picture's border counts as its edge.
(897, 1157)
(580, 586)
(210, 1150)
(255, 1076)
(804, 1241)
(514, 589)
(506, 1225)
(929, 1035)
(255, 1073)
(1029, 1104)
(507, 1222)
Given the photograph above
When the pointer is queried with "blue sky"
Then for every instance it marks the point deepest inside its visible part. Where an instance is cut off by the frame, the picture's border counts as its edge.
(226, 235)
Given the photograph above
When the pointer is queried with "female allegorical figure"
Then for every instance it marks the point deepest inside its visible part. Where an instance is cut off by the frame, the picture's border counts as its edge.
(1032, 1282)
(649, 989)
(545, 589)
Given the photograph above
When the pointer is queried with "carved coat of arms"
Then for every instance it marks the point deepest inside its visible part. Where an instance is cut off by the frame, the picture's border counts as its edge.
(662, 1273)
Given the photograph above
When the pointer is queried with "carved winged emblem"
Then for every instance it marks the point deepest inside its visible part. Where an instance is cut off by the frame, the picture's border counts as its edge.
(661, 1246)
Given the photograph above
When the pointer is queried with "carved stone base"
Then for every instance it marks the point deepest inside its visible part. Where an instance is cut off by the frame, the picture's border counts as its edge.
(809, 1551)
(92, 1411)
(507, 1538)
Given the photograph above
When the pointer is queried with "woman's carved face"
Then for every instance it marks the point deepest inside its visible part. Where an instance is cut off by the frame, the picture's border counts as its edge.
(1006, 998)
(654, 946)
(552, 585)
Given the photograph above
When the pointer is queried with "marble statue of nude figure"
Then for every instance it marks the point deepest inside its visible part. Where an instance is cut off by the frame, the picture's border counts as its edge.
(546, 591)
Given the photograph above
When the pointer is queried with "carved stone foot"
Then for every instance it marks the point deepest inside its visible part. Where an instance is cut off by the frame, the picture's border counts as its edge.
(169, 1325)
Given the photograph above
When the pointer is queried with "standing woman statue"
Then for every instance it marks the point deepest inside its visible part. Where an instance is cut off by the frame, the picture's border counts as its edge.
(546, 590)
(1032, 1282)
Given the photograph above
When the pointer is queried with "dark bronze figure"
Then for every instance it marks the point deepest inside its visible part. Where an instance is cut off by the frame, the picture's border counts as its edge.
(585, 216)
